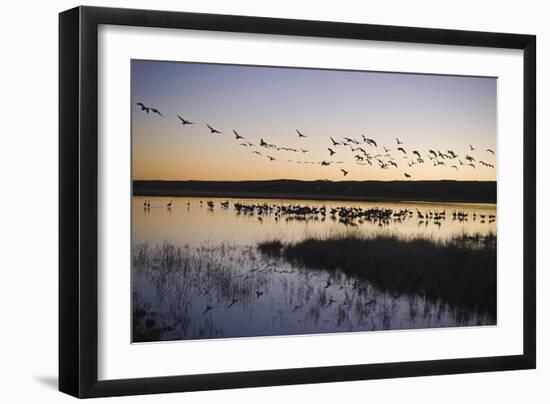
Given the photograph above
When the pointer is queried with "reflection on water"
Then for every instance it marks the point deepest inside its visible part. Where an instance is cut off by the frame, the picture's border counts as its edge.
(197, 271)
(193, 221)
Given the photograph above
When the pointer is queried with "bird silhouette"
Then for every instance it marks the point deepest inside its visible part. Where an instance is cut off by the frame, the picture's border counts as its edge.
(334, 142)
(491, 151)
(237, 136)
(169, 204)
(331, 151)
(300, 134)
(212, 130)
(407, 175)
(185, 121)
(304, 151)
(156, 111)
(344, 172)
(271, 158)
(371, 142)
(398, 141)
(143, 107)
(402, 150)
(472, 148)
(257, 152)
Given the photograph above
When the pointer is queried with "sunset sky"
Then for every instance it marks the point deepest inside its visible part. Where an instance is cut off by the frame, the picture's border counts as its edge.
(424, 111)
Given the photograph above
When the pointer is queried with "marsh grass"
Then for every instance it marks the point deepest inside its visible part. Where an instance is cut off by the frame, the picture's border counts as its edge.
(460, 271)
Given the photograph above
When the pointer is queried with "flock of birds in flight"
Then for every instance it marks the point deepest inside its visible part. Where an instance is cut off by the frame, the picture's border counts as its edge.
(366, 151)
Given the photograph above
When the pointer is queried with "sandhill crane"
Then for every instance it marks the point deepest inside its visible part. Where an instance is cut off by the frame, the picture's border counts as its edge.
(271, 158)
(490, 151)
(156, 111)
(143, 107)
(300, 134)
(212, 130)
(344, 172)
(398, 141)
(402, 150)
(185, 121)
(407, 175)
(472, 148)
(371, 142)
(237, 136)
(169, 204)
(334, 142)
(331, 151)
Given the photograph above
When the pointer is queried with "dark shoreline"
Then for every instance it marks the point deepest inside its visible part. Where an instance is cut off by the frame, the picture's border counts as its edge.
(426, 191)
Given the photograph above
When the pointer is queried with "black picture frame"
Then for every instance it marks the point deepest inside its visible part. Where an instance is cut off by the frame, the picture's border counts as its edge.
(78, 201)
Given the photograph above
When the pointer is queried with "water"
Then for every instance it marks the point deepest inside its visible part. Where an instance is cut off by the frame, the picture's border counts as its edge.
(198, 272)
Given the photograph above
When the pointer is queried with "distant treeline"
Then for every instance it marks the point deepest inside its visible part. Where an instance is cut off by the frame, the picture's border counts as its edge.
(444, 191)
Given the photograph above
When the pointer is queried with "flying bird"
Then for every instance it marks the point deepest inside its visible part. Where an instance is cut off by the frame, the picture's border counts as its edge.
(491, 151)
(398, 141)
(472, 148)
(212, 130)
(237, 136)
(185, 121)
(407, 175)
(344, 172)
(402, 150)
(304, 151)
(371, 142)
(271, 158)
(143, 107)
(331, 151)
(300, 134)
(334, 142)
(257, 152)
(156, 111)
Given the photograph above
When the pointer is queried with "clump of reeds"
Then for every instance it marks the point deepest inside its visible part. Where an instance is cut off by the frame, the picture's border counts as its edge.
(271, 247)
(460, 271)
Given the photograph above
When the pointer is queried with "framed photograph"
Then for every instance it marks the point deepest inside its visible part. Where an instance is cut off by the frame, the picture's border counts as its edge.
(251, 201)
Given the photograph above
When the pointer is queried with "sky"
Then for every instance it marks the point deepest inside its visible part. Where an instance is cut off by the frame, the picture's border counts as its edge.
(424, 112)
